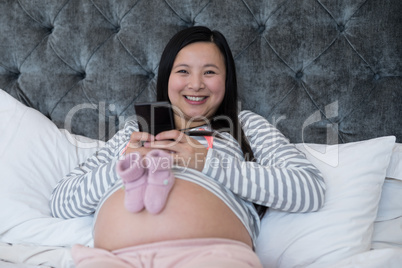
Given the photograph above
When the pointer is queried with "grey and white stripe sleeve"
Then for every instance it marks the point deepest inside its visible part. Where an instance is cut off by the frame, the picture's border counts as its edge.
(281, 178)
(79, 192)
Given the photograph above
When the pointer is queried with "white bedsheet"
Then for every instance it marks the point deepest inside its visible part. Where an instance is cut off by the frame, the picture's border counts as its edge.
(5, 264)
(21, 255)
(28, 256)
(378, 258)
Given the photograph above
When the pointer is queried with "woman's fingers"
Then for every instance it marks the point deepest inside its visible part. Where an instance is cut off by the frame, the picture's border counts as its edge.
(141, 136)
(168, 140)
(174, 135)
(187, 151)
(136, 142)
(173, 140)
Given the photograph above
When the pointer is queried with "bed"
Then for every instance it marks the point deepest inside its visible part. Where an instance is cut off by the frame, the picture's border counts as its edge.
(328, 74)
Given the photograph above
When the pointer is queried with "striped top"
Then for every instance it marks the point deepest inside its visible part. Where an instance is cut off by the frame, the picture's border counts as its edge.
(281, 178)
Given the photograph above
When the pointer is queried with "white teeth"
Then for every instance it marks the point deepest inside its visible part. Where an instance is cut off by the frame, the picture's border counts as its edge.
(195, 98)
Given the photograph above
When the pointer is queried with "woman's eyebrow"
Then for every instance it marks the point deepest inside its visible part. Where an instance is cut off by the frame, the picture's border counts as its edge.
(187, 65)
(180, 65)
(211, 65)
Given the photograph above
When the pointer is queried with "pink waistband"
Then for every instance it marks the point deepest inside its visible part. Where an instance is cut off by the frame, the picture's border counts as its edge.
(187, 243)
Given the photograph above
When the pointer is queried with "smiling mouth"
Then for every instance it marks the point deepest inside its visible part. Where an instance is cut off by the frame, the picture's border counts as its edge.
(191, 98)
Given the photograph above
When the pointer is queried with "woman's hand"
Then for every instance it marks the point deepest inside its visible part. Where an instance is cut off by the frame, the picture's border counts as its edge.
(137, 139)
(187, 152)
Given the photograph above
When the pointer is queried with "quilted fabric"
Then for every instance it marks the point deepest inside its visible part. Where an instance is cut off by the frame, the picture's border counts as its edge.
(322, 71)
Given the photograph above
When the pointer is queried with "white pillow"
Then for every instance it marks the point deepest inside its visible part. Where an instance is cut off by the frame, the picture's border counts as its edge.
(394, 170)
(354, 174)
(34, 156)
(387, 234)
(388, 224)
(390, 206)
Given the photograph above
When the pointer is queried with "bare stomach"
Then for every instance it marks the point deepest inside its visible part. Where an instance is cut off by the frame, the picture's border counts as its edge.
(191, 212)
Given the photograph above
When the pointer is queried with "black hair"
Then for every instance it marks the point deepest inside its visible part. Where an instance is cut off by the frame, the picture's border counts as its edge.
(228, 108)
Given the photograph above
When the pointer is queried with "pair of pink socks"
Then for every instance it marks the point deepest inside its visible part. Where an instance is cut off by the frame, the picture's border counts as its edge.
(147, 181)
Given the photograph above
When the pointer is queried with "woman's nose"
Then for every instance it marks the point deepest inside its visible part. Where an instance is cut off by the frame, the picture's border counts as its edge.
(196, 82)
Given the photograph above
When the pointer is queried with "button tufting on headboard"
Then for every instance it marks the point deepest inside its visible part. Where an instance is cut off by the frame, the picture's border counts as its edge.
(261, 29)
(116, 29)
(299, 74)
(82, 75)
(341, 27)
(315, 69)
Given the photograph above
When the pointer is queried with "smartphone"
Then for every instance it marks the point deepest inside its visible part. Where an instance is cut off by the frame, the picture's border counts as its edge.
(154, 117)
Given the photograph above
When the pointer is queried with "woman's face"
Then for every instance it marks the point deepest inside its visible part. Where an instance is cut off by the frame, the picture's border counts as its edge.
(197, 83)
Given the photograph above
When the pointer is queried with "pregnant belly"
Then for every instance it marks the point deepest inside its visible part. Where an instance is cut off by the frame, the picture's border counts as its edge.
(191, 212)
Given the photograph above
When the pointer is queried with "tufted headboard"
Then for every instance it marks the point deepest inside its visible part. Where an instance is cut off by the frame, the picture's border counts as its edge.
(322, 71)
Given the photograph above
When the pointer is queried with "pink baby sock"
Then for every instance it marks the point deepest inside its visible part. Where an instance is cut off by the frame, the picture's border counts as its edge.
(160, 180)
(134, 176)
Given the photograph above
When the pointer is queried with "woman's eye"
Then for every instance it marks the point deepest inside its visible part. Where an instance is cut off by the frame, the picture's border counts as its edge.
(209, 72)
(182, 71)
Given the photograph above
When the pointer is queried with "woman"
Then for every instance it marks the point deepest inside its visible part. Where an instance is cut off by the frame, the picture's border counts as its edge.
(210, 218)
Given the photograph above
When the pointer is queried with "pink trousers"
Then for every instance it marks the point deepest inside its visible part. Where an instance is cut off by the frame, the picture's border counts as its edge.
(189, 253)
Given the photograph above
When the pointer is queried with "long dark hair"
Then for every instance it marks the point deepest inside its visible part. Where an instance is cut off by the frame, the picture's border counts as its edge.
(228, 108)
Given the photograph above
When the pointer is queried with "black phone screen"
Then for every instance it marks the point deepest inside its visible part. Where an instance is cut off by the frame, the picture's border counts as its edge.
(154, 117)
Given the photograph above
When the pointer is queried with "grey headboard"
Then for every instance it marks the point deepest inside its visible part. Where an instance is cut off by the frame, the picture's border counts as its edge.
(322, 71)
